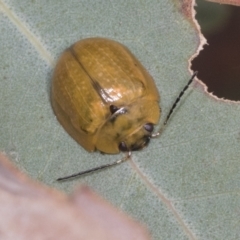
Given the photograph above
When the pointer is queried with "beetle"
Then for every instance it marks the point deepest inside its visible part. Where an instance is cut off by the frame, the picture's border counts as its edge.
(105, 99)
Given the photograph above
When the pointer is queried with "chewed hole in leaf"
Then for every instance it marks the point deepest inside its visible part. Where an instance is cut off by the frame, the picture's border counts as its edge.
(219, 63)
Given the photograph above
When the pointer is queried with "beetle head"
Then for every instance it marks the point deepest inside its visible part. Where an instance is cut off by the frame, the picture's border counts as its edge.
(137, 140)
(128, 128)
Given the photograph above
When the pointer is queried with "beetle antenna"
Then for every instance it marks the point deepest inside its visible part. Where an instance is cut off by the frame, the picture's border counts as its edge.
(175, 104)
(179, 97)
(128, 156)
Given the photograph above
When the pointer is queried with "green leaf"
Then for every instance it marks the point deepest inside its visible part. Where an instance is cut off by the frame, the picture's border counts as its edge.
(185, 185)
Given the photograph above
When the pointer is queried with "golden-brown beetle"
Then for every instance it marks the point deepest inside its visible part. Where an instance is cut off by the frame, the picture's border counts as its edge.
(104, 98)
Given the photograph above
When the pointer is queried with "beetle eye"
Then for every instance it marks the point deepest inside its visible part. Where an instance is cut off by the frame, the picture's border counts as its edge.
(113, 109)
(148, 127)
(123, 147)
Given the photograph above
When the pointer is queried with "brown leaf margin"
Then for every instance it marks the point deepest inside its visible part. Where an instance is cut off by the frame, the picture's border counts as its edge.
(30, 210)
(230, 2)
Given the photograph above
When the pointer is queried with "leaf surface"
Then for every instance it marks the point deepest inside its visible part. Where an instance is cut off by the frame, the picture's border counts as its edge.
(185, 185)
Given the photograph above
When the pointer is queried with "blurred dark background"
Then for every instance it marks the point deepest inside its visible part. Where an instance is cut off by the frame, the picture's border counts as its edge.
(218, 65)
